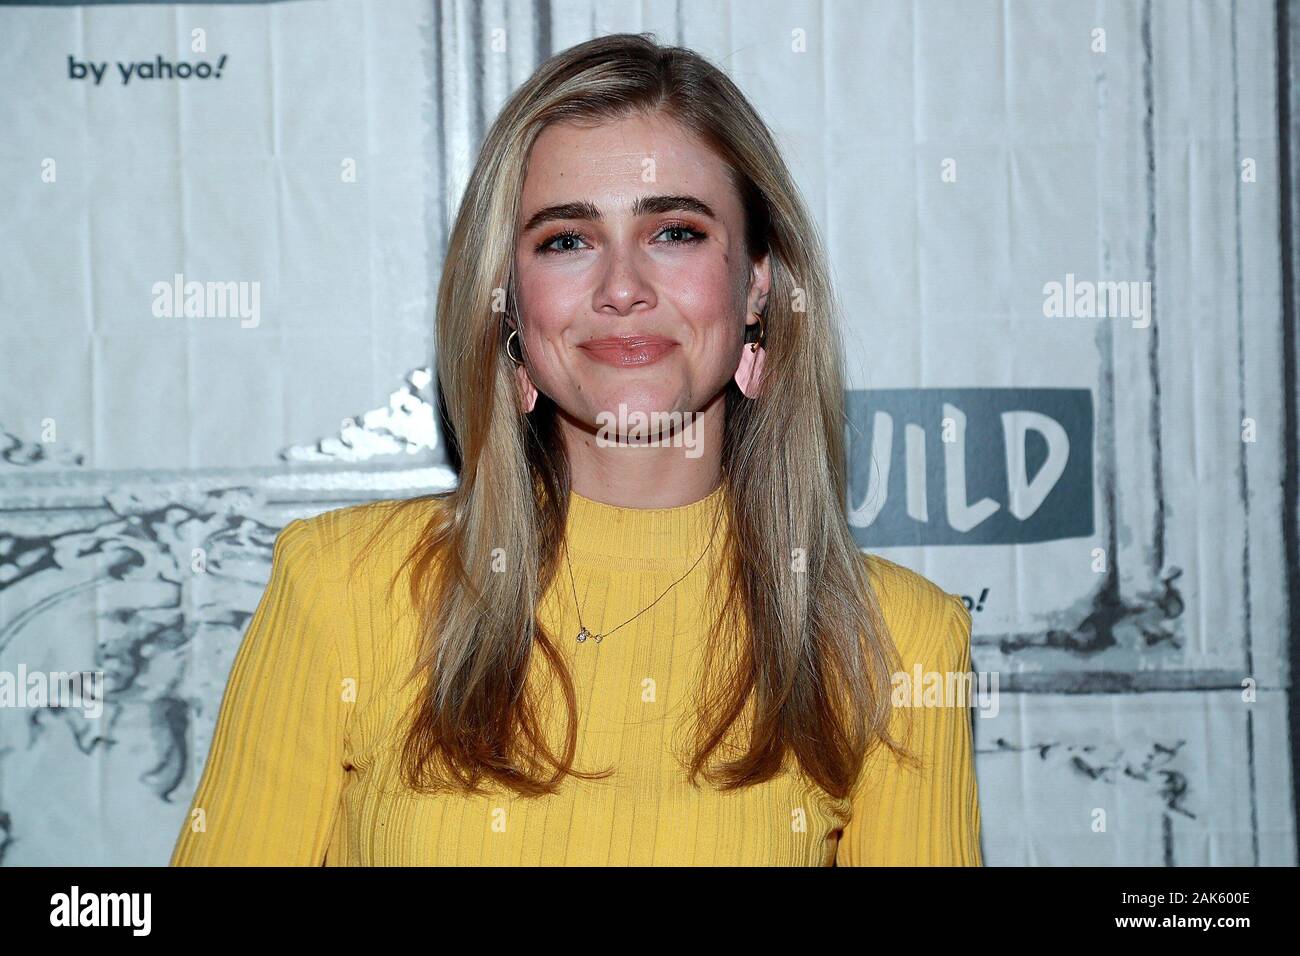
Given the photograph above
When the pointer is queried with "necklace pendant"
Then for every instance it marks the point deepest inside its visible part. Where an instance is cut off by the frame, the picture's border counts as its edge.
(597, 637)
(583, 635)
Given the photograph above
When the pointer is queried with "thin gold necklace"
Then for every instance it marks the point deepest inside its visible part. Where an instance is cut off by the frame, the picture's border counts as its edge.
(583, 633)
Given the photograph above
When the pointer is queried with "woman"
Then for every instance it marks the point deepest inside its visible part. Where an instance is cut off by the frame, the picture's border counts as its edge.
(610, 644)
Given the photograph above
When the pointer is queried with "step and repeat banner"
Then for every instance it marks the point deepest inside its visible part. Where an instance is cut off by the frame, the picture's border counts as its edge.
(1057, 233)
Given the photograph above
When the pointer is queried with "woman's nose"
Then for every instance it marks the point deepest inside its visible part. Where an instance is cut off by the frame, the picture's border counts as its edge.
(624, 284)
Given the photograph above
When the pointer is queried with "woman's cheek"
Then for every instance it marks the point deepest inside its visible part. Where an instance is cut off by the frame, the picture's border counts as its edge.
(701, 284)
(547, 302)
(710, 311)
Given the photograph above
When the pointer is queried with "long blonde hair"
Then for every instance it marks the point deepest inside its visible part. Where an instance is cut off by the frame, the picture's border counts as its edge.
(807, 657)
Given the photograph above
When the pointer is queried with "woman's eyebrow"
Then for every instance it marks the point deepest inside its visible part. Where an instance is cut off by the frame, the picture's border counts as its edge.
(656, 205)
(642, 206)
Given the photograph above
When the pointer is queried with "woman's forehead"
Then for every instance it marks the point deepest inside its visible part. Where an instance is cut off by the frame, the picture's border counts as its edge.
(614, 163)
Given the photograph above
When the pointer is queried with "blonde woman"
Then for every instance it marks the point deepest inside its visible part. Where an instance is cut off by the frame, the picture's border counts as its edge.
(626, 637)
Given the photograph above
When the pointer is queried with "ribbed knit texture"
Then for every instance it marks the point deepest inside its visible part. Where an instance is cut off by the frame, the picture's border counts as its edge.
(303, 766)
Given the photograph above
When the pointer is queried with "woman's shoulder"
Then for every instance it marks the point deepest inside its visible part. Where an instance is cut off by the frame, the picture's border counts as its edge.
(374, 536)
(927, 622)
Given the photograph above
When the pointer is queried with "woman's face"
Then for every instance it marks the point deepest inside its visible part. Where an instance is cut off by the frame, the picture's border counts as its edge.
(633, 282)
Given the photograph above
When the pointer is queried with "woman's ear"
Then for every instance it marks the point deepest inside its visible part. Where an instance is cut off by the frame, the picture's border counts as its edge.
(527, 390)
(760, 284)
(749, 372)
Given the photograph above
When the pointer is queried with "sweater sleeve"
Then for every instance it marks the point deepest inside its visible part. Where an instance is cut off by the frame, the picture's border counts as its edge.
(275, 770)
(905, 816)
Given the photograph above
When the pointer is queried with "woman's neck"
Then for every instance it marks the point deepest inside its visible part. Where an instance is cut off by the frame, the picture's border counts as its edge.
(681, 467)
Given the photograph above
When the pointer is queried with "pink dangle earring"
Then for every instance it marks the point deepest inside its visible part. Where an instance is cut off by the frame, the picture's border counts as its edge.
(749, 372)
(527, 390)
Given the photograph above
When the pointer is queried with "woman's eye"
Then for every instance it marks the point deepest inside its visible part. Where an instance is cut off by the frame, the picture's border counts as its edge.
(569, 241)
(682, 234)
(563, 237)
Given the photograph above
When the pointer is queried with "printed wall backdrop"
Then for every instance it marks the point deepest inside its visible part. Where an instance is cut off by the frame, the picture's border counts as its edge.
(1063, 236)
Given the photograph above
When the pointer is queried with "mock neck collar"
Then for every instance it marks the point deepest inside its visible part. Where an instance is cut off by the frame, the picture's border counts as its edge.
(647, 536)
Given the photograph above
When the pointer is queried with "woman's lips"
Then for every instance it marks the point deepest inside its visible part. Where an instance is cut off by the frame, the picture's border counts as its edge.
(629, 351)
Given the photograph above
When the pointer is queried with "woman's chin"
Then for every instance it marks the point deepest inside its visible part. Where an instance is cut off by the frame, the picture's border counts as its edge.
(624, 408)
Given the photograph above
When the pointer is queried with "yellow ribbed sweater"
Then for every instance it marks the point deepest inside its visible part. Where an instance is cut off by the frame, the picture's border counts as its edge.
(303, 769)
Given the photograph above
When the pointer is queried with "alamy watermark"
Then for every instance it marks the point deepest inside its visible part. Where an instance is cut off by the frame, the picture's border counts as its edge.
(652, 430)
(922, 688)
(1085, 299)
(208, 300)
(83, 689)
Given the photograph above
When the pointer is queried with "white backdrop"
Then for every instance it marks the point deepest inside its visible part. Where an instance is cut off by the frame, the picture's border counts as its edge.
(959, 155)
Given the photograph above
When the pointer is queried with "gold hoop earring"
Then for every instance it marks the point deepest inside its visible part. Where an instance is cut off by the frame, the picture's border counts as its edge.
(754, 345)
(517, 361)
